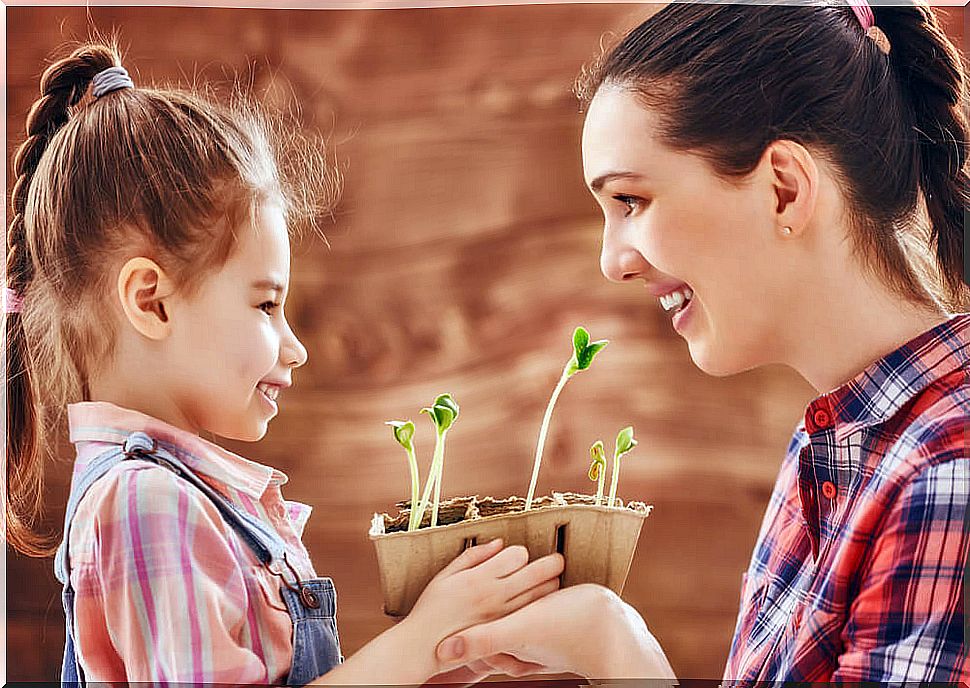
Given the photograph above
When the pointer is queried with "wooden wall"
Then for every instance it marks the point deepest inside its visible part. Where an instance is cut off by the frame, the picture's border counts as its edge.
(464, 253)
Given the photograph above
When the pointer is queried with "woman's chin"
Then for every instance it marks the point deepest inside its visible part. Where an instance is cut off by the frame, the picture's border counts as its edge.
(712, 361)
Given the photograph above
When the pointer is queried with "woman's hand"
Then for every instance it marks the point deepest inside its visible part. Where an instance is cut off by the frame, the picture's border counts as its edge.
(584, 629)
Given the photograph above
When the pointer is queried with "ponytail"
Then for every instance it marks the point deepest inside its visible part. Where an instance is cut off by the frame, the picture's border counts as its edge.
(62, 86)
(931, 76)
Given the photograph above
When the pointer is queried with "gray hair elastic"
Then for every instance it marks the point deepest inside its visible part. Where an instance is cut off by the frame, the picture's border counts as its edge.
(110, 79)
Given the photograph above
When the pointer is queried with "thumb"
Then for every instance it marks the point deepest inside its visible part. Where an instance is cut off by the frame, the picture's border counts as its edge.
(479, 642)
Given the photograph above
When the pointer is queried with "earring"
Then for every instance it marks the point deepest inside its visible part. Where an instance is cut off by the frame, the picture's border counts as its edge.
(786, 230)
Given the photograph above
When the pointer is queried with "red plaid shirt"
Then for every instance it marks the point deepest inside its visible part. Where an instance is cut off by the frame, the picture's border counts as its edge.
(858, 572)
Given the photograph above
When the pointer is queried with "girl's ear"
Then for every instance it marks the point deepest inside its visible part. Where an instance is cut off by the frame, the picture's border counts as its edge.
(142, 288)
(795, 181)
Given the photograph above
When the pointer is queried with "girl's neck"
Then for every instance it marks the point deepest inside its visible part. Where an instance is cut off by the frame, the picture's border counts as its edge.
(121, 392)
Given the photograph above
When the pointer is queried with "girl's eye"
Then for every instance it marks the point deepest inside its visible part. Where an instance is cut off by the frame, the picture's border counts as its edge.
(268, 307)
(632, 203)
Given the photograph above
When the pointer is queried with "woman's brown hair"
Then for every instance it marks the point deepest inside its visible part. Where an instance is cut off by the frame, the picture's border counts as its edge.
(157, 172)
(728, 80)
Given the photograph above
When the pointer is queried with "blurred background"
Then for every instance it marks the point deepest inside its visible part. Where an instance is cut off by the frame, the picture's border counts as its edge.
(463, 253)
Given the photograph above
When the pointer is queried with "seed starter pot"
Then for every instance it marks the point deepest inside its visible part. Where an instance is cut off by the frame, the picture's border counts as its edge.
(597, 542)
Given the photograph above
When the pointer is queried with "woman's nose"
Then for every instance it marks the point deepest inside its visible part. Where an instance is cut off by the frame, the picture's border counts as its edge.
(620, 261)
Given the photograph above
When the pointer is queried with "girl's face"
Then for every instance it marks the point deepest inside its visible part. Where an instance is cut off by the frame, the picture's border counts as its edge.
(704, 249)
(232, 345)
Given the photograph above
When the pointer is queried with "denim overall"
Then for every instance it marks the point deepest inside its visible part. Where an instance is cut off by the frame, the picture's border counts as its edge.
(311, 604)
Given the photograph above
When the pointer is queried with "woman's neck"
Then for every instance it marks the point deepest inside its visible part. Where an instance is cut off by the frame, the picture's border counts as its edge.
(851, 324)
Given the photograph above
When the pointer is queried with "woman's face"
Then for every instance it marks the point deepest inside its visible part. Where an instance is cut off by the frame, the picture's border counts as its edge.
(670, 222)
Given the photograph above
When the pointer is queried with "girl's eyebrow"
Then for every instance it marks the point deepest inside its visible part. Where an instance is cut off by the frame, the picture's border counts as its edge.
(269, 285)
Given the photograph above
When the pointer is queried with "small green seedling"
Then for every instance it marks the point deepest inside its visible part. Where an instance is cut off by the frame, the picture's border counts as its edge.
(583, 353)
(443, 414)
(624, 443)
(597, 469)
(404, 434)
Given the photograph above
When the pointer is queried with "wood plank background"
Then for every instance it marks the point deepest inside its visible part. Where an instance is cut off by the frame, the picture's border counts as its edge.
(464, 253)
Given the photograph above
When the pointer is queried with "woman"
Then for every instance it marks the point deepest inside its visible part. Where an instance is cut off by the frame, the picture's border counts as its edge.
(765, 172)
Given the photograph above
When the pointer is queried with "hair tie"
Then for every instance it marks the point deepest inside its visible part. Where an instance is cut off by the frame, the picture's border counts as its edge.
(110, 79)
(12, 303)
(863, 12)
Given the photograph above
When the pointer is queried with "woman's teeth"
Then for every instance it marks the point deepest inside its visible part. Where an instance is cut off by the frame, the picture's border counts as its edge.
(270, 391)
(674, 300)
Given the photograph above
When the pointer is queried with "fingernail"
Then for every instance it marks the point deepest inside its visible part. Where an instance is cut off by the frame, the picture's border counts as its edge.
(453, 648)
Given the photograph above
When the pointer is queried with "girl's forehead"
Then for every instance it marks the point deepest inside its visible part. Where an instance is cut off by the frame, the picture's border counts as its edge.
(264, 242)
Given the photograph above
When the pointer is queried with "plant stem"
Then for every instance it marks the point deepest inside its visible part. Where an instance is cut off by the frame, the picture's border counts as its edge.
(437, 498)
(542, 437)
(599, 488)
(433, 474)
(415, 488)
(614, 480)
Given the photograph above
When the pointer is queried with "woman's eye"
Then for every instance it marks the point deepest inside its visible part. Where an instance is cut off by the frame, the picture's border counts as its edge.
(631, 203)
(268, 307)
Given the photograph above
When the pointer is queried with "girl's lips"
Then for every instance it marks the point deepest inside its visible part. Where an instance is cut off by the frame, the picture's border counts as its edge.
(266, 398)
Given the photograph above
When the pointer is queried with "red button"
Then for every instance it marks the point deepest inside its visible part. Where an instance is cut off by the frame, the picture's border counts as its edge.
(828, 489)
(822, 418)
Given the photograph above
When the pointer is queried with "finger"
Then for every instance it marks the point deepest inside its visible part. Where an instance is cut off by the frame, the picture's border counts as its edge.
(473, 556)
(539, 571)
(531, 595)
(507, 561)
(463, 675)
(481, 641)
(512, 666)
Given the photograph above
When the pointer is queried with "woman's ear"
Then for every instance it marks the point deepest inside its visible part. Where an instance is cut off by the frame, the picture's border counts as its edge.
(795, 181)
(143, 288)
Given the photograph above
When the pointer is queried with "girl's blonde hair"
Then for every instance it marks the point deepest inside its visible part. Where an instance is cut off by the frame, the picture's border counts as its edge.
(164, 173)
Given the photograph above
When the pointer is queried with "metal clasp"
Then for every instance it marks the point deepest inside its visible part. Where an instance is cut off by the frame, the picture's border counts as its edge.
(308, 598)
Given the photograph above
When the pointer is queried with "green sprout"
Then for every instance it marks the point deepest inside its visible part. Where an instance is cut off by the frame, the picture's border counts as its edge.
(624, 443)
(443, 413)
(597, 469)
(583, 353)
(404, 434)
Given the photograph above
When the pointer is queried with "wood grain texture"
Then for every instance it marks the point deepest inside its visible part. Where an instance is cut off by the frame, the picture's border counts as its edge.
(464, 252)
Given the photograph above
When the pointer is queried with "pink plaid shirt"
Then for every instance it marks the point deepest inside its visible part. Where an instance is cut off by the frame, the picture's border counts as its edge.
(858, 573)
(165, 589)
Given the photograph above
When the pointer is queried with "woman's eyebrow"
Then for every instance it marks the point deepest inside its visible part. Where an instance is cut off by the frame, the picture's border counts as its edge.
(597, 184)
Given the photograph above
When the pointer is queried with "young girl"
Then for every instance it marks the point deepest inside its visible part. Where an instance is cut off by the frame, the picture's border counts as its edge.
(769, 174)
(147, 270)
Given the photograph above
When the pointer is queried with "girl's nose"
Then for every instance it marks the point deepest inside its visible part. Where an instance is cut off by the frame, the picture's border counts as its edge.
(620, 261)
(294, 354)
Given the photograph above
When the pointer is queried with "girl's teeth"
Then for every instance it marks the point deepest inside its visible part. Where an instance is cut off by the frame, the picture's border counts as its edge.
(271, 392)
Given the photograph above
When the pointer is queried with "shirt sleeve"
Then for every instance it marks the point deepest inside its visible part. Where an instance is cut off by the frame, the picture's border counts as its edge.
(165, 591)
(907, 622)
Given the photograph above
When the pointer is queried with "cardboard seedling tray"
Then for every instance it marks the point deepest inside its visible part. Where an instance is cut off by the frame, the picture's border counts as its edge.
(597, 542)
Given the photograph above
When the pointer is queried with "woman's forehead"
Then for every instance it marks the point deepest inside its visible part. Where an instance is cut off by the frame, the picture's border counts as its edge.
(619, 138)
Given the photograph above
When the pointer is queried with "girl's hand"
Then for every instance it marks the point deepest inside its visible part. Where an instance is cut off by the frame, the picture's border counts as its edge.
(584, 629)
(483, 583)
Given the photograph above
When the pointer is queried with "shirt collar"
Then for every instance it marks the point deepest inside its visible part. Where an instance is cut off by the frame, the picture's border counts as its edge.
(104, 422)
(878, 392)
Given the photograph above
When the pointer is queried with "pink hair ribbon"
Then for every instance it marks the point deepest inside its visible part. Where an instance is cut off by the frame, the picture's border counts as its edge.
(12, 303)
